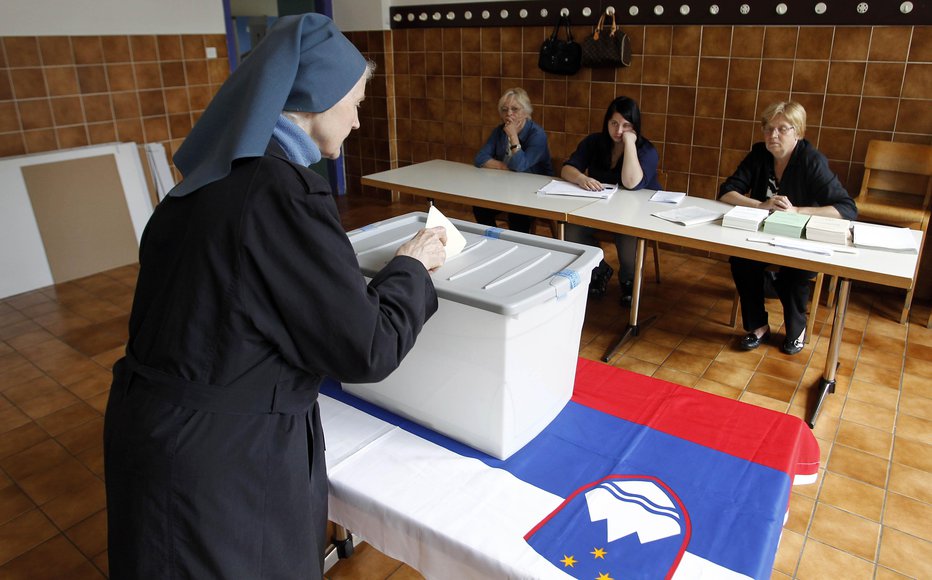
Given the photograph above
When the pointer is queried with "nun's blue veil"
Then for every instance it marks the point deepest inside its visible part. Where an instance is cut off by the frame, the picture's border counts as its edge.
(304, 64)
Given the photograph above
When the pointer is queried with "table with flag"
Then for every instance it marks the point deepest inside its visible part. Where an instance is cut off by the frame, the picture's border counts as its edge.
(635, 478)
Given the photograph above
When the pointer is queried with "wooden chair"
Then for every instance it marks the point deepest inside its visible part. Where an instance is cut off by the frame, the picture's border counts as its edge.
(813, 304)
(896, 191)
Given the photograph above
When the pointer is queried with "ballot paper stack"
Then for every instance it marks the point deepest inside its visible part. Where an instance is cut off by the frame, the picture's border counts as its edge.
(827, 229)
(787, 224)
(885, 238)
(744, 218)
(558, 187)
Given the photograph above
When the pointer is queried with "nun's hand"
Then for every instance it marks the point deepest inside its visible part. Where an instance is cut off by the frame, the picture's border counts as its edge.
(426, 247)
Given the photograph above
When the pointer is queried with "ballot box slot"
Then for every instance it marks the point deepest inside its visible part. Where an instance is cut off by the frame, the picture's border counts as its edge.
(515, 272)
(482, 265)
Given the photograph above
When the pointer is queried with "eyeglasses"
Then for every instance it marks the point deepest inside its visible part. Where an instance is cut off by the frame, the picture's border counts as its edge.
(514, 110)
(782, 129)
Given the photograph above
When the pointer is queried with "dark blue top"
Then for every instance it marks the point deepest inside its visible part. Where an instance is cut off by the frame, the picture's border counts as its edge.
(594, 154)
(533, 157)
(807, 180)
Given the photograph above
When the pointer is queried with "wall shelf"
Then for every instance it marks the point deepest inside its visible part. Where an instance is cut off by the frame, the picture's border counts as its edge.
(666, 12)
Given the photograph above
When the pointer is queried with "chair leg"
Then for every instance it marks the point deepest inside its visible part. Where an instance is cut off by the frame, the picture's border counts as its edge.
(814, 305)
(555, 230)
(655, 248)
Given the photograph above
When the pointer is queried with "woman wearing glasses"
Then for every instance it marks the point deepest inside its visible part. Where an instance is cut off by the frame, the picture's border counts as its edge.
(518, 144)
(785, 172)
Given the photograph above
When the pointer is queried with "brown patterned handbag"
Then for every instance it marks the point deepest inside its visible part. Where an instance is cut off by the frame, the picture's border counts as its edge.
(606, 47)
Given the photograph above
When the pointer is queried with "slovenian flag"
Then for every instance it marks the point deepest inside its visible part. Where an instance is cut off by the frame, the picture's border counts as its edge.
(635, 478)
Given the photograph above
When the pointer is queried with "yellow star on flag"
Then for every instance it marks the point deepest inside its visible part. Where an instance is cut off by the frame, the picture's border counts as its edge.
(568, 561)
(604, 576)
(598, 553)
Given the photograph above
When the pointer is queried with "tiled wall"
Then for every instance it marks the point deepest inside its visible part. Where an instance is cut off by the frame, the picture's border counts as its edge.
(58, 92)
(700, 89)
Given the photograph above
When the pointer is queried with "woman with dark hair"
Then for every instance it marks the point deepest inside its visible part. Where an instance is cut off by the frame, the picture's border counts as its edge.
(619, 154)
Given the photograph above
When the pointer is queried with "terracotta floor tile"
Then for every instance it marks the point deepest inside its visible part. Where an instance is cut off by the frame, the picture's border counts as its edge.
(676, 377)
(877, 374)
(873, 394)
(11, 417)
(905, 554)
(67, 418)
(864, 438)
(800, 513)
(852, 495)
(919, 351)
(649, 351)
(365, 563)
(717, 388)
(788, 552)
(914, 428)
(15, 440)
(29, 339)
(888, 574)
(92, 384)
(868, 414)
(789, 370)
(90, 535)
(36, 459)
(99, 402)
(24, 533)
(858, 465)
(910, 482)
(735, 377)
(100, 337)
(93, 459)
(699, 346)
(680, 360)
(106, 359)
(68, 509)
(55, 558)
(740, 358)
(916, 406)
(764, 401)
(772, 387)
(912, 453)
(660, 336)
(846, 531)
(917, 366)
(908, 515)
(83, 437)
(9, 331)
(820, 561)
(66, 477)
(13, 503)
(406, 572)
(16, 370)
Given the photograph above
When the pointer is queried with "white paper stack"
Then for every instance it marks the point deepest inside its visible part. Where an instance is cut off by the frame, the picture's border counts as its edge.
(673, 197)
(745, 218)
(689, 215)
(557, 187)
(885, 238)
(827, 229)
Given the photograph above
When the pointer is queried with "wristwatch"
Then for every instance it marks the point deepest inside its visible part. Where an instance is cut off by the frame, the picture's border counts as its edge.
(516, 147)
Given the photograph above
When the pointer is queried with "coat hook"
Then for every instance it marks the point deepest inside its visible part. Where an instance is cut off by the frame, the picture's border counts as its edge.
(610, 10)
(564, 12)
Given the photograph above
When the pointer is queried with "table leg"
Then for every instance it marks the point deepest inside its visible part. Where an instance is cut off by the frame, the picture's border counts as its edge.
(632, 329)
(827, 383)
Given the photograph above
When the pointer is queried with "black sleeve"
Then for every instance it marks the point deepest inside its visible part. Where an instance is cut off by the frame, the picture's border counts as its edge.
(744, 177)
(823, 188)
(313, 302)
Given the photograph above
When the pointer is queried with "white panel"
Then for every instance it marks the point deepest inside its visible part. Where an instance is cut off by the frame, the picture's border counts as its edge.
(105, 17)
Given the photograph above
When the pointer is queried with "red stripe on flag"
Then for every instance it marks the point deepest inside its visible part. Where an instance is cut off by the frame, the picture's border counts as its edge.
(753, 433)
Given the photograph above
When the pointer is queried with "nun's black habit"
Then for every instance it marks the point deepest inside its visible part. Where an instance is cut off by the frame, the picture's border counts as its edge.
(248, 294)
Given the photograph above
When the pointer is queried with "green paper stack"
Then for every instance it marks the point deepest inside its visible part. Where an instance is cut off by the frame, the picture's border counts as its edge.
(784, 223)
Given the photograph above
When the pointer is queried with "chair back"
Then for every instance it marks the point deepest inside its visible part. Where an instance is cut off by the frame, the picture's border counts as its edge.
(897, 185)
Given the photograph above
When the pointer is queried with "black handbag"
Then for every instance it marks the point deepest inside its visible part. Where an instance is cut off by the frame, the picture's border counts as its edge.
(561, 57)
(606, 48)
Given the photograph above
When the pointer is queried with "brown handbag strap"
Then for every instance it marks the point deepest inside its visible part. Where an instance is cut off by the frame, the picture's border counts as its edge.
(598, 27)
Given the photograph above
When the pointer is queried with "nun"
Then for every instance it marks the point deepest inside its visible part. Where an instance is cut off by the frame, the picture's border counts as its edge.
(249, 293)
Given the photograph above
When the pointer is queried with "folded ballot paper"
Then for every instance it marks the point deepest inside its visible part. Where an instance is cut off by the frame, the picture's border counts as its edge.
(689, 215)
(785, 223)
(885, 238)
(827, 229)
(672, 197)
(557, 187)
(455, 240)
(744, 218)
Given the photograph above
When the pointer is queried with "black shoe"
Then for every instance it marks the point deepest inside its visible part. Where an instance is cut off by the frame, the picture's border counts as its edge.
(750, 341)
(601, 276)
(794, 345)
(627, 289)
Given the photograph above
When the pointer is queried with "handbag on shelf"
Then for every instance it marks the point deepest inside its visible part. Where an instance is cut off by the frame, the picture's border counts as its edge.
(606, 47)
(558, 56)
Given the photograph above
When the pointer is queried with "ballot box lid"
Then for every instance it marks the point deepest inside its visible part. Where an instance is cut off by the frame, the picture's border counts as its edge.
(500, 271)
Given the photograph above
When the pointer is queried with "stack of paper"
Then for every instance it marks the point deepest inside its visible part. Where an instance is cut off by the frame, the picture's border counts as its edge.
(673, 197)
(885, 238)
(744, 218)
(784, 223)
(557, 187)
(688, 216)
(826, 229)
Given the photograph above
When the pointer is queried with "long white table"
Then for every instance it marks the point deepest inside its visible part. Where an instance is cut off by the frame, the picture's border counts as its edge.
(629, 212)
(468, 185)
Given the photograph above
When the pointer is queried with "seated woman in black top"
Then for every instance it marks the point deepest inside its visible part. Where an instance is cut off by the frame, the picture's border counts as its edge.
(619, 154)
(782, 173)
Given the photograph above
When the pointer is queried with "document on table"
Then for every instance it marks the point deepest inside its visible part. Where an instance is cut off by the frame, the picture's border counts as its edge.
(885, 238)
(688, 216)
(804, 245)
(557, 187)
(673, 197)
(455, 240)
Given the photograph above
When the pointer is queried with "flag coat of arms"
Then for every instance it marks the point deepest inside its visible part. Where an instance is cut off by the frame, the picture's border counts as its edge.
(636, 478)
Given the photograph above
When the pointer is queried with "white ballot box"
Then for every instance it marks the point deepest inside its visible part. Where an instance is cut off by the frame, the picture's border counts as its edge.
(497, 362)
